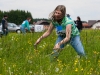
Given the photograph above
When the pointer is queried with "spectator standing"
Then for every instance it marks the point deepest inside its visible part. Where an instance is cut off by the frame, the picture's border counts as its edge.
(4, 25)
(68, 16)
(79, 23)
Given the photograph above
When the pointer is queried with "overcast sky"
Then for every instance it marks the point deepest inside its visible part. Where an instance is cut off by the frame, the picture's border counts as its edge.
(86, 9)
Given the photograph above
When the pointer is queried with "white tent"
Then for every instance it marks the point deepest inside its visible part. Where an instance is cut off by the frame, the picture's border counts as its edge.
(38, 28)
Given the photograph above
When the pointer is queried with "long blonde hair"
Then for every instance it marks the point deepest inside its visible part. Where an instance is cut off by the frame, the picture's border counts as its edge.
(62, 8)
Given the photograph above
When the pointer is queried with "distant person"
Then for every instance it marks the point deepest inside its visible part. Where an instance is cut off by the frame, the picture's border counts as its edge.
(68, 16)
(79, 23)
(25, 24)
(4, 25)
(66, 30)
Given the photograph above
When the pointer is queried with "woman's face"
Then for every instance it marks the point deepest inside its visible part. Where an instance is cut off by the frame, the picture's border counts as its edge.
(58, 14)
(29, 20)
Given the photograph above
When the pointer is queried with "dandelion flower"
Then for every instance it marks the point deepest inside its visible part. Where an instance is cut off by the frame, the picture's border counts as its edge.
(76, 69)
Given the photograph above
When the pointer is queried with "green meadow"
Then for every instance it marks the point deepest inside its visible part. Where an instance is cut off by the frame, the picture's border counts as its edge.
(19, 57)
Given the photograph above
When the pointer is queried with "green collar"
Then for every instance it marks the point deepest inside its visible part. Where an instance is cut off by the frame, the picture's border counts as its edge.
(62, 22)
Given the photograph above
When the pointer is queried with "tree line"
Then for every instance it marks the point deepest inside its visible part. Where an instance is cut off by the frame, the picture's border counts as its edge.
(17, 16)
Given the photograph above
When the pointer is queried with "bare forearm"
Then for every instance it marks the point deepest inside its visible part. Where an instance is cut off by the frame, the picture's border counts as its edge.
(68, 35)
(47, 33)
(44, 35)
(64, 41)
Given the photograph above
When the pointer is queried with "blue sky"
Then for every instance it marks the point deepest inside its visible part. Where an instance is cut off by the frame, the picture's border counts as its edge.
(86, 9)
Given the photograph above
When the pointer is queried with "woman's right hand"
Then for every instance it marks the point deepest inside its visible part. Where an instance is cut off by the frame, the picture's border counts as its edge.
(37, 42)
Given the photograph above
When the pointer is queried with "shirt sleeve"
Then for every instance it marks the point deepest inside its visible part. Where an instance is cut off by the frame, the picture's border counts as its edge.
(70, 22)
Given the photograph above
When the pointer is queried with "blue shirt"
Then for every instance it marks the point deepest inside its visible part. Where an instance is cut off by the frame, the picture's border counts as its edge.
(25, 24)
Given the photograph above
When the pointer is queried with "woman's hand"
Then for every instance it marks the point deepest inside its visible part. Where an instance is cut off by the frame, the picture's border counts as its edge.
(37, 42)
(57, 46)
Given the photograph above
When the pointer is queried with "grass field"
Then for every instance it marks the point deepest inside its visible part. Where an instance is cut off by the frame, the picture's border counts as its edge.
(18, 56)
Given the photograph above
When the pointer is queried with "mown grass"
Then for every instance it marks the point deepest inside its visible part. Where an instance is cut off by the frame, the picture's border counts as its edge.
(18, 56)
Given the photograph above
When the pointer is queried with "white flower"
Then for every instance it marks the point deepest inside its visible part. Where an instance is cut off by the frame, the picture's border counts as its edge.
(29, 61)
(12, 38)
(57, 69)
(1, 48)
(67, 45)
(30, 72)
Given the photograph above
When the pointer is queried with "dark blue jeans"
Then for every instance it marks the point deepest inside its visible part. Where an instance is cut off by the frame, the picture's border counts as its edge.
(5, 31)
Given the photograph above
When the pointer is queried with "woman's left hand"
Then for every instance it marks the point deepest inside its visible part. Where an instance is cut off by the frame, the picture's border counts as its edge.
(56, 47)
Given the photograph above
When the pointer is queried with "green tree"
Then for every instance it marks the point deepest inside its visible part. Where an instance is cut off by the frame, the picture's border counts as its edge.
(16, 16)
